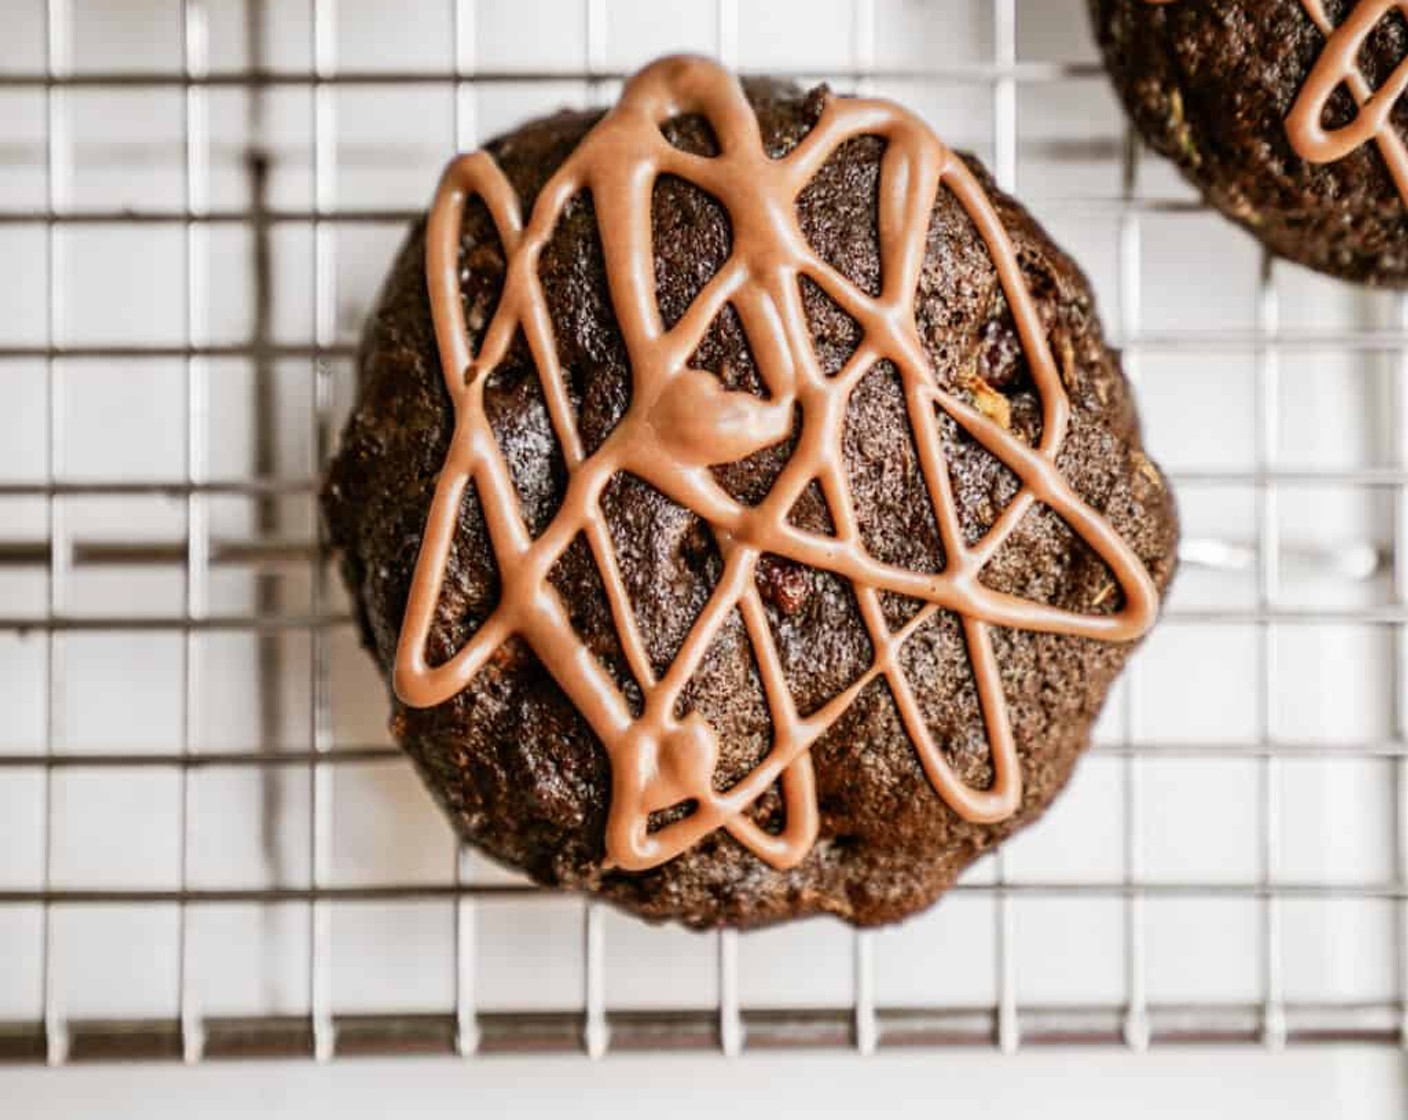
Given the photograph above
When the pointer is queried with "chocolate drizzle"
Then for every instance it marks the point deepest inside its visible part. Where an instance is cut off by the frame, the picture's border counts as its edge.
(681, 421)
(1338, 65)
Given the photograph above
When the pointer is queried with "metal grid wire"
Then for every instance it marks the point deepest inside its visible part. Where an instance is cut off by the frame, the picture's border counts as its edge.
(271, 561)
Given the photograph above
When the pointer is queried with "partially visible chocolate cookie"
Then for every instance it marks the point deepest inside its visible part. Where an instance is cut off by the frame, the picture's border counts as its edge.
(758, 532)
(1287, 114)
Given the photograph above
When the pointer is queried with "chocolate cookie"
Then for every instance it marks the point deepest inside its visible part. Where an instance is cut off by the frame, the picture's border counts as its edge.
(744, 504)
(1287, 114)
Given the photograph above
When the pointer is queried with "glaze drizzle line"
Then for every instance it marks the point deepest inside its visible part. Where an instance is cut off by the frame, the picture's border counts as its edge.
(681, 420)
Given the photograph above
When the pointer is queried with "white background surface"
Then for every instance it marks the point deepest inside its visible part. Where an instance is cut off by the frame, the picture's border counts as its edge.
(1308, 1085)
(1198, 684)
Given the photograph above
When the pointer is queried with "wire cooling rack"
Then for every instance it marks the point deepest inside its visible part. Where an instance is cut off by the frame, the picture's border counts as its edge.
(199, 199)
